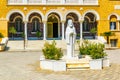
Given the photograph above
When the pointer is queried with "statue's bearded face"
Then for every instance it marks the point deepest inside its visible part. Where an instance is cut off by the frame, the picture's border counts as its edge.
(70, 24)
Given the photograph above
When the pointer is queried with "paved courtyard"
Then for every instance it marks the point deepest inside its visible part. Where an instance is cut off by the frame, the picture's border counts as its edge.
(24, 65)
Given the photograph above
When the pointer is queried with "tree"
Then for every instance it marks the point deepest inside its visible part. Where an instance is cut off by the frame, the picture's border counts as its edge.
(93, 31)
(107, 35)
(13, 31)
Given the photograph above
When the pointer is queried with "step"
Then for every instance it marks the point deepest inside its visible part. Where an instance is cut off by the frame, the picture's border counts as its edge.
(78, 64)
(37, 44)
(32, 44)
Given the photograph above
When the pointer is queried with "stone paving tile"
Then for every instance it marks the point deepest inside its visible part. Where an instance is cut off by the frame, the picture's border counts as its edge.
(25, 66)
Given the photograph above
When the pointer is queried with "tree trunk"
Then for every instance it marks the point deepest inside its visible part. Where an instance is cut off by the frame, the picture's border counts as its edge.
(12, 36)
(107, 39)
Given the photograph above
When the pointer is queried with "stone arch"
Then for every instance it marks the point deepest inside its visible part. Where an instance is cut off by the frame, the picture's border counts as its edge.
(35, 17)
(73, 11)
(35, 24)
(89, 25)
(14, 11)
(53, 19)
(118, 18)
(53, 11)
(94, 12)
(34, 11)
(54, 15)
(16, 18)
(76, 17)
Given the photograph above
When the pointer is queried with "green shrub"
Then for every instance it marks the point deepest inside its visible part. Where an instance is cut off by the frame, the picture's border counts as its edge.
(38, 34)
(13, 31)
(98, 51)
(84, 47)
(95, 50)
(22, 35)
(50, 51)
(1, 35)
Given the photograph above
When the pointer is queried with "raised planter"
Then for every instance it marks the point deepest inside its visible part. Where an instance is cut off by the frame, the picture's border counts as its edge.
(54, 65)
(96, 64)
(2, 47)
(105, 62)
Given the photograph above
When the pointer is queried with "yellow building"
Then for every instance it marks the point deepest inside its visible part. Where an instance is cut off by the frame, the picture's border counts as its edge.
(50, 18)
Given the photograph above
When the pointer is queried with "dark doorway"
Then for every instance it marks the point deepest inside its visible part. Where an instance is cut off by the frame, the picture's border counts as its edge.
(55, 30)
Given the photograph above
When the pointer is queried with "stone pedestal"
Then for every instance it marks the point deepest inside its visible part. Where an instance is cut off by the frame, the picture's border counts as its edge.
(53, 65)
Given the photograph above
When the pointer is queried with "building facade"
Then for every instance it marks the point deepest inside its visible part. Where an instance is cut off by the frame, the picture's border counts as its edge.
(49, 17)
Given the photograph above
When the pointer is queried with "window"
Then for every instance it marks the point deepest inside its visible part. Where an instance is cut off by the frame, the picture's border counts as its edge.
(112, 25)
(85, 26)
(113, 22)
(36, 25)
(113, 42)
(18, 25)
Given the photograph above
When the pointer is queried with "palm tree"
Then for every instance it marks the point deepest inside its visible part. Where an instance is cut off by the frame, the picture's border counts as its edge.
(107, 35)
(13, 31)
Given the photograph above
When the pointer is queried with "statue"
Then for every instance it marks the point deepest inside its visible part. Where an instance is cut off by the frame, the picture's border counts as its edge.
(70, 39)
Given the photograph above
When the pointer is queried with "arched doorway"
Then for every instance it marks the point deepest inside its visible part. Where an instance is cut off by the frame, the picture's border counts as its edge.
(16, 23)
(76, 23)
(34, 26)
(53, 26)
(89, 26)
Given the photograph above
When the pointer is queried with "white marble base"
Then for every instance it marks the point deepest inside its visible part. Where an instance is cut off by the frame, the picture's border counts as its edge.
(106, 62)
(54, 65)
(96, 64)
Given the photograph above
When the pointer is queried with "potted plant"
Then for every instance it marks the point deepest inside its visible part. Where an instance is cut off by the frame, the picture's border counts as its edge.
(38, 34)
(13, 31)
(52, 56)
(93, 31)
(97, 54)
(78, 36)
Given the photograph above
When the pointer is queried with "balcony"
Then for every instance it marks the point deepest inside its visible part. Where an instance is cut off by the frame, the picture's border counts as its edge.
(52, 2)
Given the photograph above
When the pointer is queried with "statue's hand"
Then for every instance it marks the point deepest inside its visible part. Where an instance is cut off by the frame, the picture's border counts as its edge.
(68, 43)
(71, 33)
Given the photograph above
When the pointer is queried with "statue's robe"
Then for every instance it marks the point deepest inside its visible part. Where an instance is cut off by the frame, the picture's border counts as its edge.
(70, 39)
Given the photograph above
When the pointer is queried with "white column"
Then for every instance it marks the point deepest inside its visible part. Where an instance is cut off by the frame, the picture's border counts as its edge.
(25, 1)
(44, 1)
(44, 30)
(81, 2)
(118, 25)
(25, 30)
(63, 30)
(25, 35)
(62, 1)
(81, 30)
